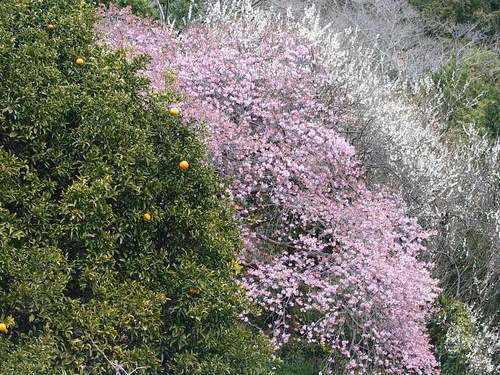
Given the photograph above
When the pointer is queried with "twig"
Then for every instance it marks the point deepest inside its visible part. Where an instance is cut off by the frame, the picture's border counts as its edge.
(118, 367)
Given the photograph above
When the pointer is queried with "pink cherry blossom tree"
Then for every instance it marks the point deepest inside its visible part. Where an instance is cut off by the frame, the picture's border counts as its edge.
(330, 258)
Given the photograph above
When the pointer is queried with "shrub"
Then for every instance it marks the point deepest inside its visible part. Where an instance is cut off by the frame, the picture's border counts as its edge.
(470, 87)
(181, 12)
(462, 344)
(442, 17)
(175, 13)
(88, 281)
(144, 8)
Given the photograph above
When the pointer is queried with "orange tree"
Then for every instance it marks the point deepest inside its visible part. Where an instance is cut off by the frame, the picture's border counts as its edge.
(88, 282)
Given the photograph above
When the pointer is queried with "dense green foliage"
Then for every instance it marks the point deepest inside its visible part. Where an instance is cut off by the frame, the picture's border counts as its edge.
(144, 8)
(178, 12)
(302, 369)
(302, 359)
(181, 10)
(451, 329)
(471, 88)
(469, 80)
(438, 13)
(87, 281)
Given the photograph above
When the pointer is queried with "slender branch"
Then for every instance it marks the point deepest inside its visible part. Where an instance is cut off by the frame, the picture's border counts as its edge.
(277, 243)
(118, 367)
(162, 13)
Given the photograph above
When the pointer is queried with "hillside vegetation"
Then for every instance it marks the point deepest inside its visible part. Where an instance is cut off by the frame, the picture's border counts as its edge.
(204, 186)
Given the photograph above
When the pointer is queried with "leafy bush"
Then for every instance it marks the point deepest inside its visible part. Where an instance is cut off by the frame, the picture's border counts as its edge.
(88, 281)
(442, 15)
(300, 358)
(144, 8)
(181, 12)
(451, 319)
(462, 344)
(470, 85)
(174, 13)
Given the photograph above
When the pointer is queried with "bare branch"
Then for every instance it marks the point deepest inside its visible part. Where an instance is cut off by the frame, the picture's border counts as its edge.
(118, 367)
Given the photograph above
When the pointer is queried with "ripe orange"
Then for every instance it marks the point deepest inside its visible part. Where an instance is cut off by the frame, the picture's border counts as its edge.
(79, 61)
(192, 291)
(183, 164)
(3, 327)
(50, 27)
(174, 111)
(147, 216)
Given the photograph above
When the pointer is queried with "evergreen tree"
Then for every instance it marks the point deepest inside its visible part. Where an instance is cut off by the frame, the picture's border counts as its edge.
(113, 255)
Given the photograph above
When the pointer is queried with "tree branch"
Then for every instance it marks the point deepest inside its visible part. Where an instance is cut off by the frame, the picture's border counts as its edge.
(118, 367)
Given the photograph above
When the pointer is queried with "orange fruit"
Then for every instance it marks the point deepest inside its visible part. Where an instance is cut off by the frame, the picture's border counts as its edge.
(79, 61)
(174, 111)
(3, 327)
(147, 216)
(50, 27)
(183, 164)
(192, 291)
